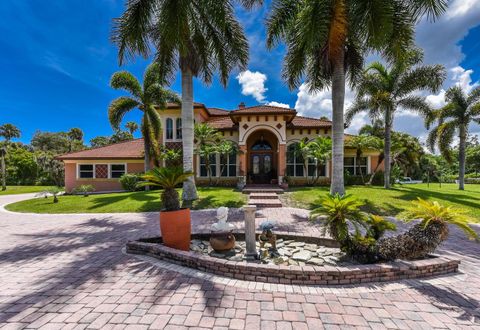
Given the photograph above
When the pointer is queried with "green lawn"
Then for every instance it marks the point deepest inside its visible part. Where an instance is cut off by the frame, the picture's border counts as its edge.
(126, 202)
(391, 202)
(13, 190)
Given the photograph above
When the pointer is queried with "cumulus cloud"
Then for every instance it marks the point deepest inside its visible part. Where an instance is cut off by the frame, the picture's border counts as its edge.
(278, 104)
(253, 84)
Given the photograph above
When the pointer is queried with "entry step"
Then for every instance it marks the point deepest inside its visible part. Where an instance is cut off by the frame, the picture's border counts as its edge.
(265, 202)
(262, 190)
(263, 195)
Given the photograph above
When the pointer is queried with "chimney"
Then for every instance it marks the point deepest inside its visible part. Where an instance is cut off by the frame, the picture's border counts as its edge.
(241, 105)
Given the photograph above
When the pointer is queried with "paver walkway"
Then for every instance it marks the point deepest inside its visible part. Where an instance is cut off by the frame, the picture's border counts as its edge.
(69, 272)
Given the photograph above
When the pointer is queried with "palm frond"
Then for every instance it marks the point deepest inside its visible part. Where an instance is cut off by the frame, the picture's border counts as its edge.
(126, 81)
(417, 104)
(428, 77)
(118, 108)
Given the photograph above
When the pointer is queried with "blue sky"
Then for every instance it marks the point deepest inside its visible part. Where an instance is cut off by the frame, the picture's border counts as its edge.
(56, 61)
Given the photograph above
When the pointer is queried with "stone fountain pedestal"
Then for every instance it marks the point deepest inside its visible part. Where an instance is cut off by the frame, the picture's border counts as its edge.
(250, 239)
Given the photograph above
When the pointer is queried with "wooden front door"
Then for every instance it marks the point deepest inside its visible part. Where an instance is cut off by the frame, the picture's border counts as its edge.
(261, 167)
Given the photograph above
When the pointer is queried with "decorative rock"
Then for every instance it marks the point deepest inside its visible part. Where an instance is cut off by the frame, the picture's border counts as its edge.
(297, 244)
(316, 261)
(303, 255)
(285, 252)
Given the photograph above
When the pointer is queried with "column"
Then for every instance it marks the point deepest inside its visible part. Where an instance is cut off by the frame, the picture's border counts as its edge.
(243, 160)
(282, 163)
(250, 239)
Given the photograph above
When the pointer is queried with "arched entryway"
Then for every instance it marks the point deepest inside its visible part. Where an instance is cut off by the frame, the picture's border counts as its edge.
(262, 157)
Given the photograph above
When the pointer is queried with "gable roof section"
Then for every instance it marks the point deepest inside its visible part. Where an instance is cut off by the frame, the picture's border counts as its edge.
(133, 149)
(263, 109)
(307, 122)
(222, 123)
(217, 112)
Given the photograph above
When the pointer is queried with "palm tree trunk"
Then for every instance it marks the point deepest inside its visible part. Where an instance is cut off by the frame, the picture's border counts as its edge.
(386, 151)
(338, 99)
(461, 157)
(4, 173)
(146, 146)
(189, 193)
(360, 167)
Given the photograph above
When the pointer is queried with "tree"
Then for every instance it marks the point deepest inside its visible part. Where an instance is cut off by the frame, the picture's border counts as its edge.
(383, 91)
(75, 136)
(195, 37)
(3, 154)
(52, 167)
(120, 136)
(146, 98)
(9, 132)
(131, 126)
(455, 118)
(100, 141)
(55, 142)
(361, 143)
(321, 151)
(472, 162)
(206, 137)
(327, 39)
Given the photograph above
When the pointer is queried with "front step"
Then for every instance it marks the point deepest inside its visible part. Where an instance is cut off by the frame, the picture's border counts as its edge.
(263, 190)
(263, 195)
(263, 203)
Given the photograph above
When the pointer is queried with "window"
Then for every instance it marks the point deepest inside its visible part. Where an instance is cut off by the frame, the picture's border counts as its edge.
(117, 170)
(294, 161)
(169, 129)
(261, 145)
(229, 164)
(353, 168)
(85, 171)
(179, 129)
(213, 166)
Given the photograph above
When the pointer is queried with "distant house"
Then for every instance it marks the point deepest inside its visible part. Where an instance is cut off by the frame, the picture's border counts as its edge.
(265, 136)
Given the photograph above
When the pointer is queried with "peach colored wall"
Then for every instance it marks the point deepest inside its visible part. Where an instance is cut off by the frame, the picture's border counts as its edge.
(71, 180)
(374, 162)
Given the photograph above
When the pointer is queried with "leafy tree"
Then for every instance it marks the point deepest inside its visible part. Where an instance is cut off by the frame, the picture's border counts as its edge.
(455, 118)
(100, 141)
(120, 136)
(383, 91)
(326, 40)
(321, 151)
(146, 98)
(55, 142)
(75, 134)
(131, 126)
(22, 167)
(9, 132)
(195, 37)
(361, 143)
(52, 167)
(473, 159)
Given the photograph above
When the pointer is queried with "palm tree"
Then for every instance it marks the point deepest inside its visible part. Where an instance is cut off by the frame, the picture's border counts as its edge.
(327, 39)
(9, 132)
(131, 126)
(75, 136)
(321, 151)
(454, 118)
(361, 143)
(146, 98)
(382, 91)
(3, 154)
(195, 37)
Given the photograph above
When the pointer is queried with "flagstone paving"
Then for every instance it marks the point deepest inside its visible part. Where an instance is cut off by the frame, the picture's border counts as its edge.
(69, 272)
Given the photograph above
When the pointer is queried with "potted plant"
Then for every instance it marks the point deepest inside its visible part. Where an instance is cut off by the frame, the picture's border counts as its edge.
(175, 222)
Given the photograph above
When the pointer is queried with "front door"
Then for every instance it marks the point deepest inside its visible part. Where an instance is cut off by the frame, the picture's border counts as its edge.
(261, 169)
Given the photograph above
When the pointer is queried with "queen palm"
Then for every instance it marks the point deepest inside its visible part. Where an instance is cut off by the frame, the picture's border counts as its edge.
(197, 37)
(327, 39)
(147, 98)
(383, 91)
(454, 118)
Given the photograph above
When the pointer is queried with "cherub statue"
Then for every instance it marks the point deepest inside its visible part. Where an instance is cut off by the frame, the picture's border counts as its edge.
(221, 224)
(267, 235)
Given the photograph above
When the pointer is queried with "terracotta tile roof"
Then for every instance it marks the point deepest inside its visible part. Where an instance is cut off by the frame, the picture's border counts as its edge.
(300, 121)
(217, 112)
(221, 123)
(133, 149)
(176, 105)
(256, 109)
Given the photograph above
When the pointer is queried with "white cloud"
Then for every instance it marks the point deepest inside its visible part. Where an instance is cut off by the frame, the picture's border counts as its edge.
(278, 104)
(253, 84)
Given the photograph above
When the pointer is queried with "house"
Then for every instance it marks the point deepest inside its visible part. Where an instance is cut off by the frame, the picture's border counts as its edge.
(265, 136)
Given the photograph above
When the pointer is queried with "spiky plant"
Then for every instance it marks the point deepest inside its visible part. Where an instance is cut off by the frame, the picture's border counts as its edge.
(167, 178)
(84, 189)
(378, 225)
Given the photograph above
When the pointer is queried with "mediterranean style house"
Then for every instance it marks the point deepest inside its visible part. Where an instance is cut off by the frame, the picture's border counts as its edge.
(265, 136)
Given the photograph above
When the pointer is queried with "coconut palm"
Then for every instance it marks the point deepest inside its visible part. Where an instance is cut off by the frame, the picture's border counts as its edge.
(195, 37)
(147, 98)
(454, 118)
(327, 39)
(9, 132)
(361, 143)
(383, 91)
(131, 126)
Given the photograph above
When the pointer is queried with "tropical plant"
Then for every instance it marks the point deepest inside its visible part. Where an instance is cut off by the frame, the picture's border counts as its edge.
(75, 137)
(455, 118)
(52, 167)
(361, 143)
(84, 189)
(327, 39)
(321, 151)
(167, 178)
(383, 91)
(206, 151)
(206, 134)
(129, 181)
(131, 126)
(195, 37)
(9, 132)
(3, 154)
(225, 148)
(54, 142)
(171, 156)
(147, 98)
(55, 191)
(100, 141)
(378, 225)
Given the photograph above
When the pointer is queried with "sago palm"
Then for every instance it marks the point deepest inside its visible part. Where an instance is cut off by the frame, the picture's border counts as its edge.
(455, 118)
(197, 38)
(327, 39)
(146, 97)
(167, 178)
(383, 91)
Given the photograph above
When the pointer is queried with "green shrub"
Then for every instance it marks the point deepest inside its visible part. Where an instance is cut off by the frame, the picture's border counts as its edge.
(129, 181)
(84, 189)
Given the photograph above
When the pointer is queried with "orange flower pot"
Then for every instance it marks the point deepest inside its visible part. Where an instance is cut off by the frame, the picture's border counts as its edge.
(176, 229)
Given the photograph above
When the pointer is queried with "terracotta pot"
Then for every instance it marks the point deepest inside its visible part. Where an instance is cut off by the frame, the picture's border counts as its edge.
(222, 241)
(176, 229)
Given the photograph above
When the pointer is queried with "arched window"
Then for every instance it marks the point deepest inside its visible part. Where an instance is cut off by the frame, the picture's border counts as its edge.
(169, 131)
(261, 145)
(179, 129)
(294, 161)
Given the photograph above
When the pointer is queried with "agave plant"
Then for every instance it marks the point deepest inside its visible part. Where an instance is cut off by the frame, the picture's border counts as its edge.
(167, 178)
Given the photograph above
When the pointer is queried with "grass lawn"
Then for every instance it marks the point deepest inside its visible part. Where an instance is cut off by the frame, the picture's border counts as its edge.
(13, 190)
(391, 202)
(126, 202)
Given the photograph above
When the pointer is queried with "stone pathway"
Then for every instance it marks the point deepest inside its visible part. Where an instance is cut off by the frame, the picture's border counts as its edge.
(69, 272)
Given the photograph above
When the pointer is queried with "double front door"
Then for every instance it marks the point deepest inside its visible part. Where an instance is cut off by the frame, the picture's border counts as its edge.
(261, 167)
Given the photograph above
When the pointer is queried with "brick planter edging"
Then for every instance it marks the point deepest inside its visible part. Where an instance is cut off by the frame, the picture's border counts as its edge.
(313, 275)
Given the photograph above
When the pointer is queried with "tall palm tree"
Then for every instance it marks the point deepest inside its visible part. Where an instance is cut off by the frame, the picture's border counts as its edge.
(326, 39)
(454, 118)
(146, 98)
(9, 132)
(131, 126)
(383, 91)
(197, 38)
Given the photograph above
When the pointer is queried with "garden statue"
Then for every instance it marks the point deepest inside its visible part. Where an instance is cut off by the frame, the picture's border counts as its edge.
(221, 238)
(267, 235)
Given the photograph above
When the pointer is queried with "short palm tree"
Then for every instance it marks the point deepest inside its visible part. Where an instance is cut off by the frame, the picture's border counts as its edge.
(206, 134)
(383, 91)
(361, 143)
(167, 178)
(327, 39)
(455, 118)
(9, 132)
(321, 151)
(195, 37)
(147, 98)
(131, 126)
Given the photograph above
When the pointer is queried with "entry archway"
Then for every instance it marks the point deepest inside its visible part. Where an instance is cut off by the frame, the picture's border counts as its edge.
(262, 157)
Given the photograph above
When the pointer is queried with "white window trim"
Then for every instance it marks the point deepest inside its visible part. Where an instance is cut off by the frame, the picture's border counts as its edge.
(110, 169)
(227, 166)
(78, 171)
(355, 167)
(166, 129)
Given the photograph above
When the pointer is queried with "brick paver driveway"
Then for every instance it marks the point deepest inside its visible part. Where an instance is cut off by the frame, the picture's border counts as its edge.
(68, 271)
